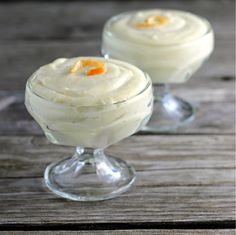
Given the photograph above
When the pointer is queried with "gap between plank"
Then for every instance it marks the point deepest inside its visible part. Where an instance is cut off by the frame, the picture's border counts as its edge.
(224, 224)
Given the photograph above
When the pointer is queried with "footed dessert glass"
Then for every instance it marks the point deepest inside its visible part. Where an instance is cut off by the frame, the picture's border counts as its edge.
(170, 46)
(90, 103)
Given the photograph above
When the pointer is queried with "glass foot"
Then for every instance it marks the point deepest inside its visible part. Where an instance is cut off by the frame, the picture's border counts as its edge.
(89, 175)
(169, 112)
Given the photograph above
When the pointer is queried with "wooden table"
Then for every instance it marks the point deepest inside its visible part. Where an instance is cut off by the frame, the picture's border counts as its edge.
(185, 179)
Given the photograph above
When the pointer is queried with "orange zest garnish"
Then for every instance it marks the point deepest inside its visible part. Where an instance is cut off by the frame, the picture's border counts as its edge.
(153, 21)
(99, 67)
(158, 20)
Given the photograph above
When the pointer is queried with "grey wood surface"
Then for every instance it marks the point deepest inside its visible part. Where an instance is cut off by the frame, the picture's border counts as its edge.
(44, 31)
(16, 69)
(184, 179)
(214, 103)
(176, 181)
(84, 19)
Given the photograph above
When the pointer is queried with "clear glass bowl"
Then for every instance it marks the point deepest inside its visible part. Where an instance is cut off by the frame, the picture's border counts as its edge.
(165, 64)
(90, 175)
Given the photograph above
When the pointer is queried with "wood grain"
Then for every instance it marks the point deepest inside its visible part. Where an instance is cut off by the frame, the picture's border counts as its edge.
(184, 180)
(82, 19)
(66, 21)
(127, 232)
(213, 100)
(36, 54)
(24, 156)
(176, 182)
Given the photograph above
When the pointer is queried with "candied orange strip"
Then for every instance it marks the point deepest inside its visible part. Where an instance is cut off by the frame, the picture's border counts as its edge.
(158, 20)
(99, 67)
(153, 21)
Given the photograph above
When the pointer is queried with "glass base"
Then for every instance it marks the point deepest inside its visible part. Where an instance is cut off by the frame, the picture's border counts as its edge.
(169, 112)
(89, 175)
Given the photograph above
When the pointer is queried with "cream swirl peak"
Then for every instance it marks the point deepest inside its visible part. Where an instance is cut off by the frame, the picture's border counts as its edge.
(158, 27)
(87, 81)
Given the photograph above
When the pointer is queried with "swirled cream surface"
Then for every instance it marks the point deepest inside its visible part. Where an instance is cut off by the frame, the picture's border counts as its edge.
(89, 101)
(57, 83)
(180, 27)
(170, 45)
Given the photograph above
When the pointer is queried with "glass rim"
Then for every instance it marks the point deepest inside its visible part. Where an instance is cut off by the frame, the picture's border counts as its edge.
(113, 18)
(148, 84)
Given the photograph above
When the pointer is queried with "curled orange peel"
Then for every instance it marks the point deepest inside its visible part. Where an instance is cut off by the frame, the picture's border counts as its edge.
(99, 67)
(153, 21)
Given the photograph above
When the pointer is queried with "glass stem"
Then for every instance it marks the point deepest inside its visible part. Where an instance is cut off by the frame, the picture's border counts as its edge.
(105, 167)
(86, 153)
(160, 90)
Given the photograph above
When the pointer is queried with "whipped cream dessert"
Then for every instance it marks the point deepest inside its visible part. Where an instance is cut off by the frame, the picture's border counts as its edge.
(169, 45)
(89, 101)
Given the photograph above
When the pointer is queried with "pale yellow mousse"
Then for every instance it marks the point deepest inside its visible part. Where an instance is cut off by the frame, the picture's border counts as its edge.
(89, 101)
(169, 45)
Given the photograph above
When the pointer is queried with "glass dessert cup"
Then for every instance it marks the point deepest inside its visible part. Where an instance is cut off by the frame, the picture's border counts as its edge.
(166, 64)
(90, 174)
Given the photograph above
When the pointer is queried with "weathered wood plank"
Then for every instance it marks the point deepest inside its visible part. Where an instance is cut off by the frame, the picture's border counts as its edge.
(176, 181)
(30, 203)
(210, 118)
(128, 232)
(27, 57)
(213, 99)
(23, 156)
(82, 19)
(18, 60)
(210, 89)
